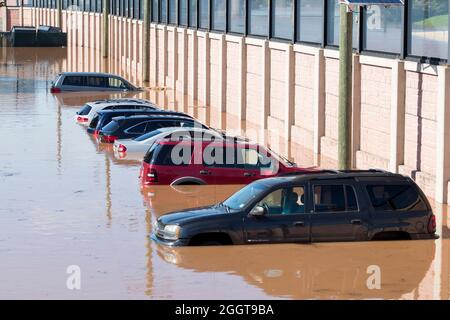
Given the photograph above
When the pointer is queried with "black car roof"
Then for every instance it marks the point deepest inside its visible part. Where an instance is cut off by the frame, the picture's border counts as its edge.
(156, 116)
(169, 112)
(336, 174)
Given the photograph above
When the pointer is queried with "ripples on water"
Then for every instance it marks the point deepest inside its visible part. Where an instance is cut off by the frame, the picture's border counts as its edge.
(67, 201)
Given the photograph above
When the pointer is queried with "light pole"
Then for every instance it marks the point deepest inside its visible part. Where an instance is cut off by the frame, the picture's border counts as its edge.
(345, 87)
(345, 75)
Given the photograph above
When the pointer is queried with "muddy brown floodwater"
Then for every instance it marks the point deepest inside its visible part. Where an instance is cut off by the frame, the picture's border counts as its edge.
(66, 201)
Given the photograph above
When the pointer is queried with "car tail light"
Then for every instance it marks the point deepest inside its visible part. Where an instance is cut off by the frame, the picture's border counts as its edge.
(82, 119)
(151, 176)
(122, 148)
(55, 90)
(432, 224)
(109, 139)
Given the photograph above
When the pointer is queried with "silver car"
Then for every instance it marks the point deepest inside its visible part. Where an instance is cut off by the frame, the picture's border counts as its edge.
(90, 81)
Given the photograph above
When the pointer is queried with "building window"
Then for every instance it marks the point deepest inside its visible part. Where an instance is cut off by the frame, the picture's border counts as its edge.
(382, 29)
(310, 20)
(183, 12)
(163, 11)
(218, 14)
(428, 28)
(333, 16)
(155, 11)
(204, 14)
(193, 13)
(172, 11)
(282, 19)
(236, 14)
(258, 20)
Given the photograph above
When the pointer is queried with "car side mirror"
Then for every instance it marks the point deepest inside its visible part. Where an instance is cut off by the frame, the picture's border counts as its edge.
(258, 211)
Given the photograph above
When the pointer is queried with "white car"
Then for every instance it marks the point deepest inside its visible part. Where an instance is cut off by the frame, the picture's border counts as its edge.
(89, 110)
(137, 148)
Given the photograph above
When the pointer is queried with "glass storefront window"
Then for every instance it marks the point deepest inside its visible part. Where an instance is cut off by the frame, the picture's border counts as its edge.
(155, 11)
(310, 20)
(193, 13)
(428, 28)
(258, 20)
(382, 29)
(163, 11)
(183, 12)
(282, 19)
(204, 14)
(218, 14)
(173, 11)
(236, 14)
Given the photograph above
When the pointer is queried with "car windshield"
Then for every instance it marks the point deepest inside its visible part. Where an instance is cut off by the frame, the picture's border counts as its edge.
(148, 135)
(246, 195)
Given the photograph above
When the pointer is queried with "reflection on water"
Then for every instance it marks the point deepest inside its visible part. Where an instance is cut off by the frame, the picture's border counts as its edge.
(67, 201)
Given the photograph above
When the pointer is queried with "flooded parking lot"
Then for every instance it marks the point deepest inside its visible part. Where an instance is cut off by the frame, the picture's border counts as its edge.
(66, 201)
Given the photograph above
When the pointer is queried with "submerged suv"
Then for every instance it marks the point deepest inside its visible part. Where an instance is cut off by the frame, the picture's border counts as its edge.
(326, 206)
(200, 162)
(90, 81)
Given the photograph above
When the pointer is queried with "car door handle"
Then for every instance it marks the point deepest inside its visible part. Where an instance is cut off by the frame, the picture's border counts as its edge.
(205, 172)
(299, 223)
(356, 221)
(249, 174)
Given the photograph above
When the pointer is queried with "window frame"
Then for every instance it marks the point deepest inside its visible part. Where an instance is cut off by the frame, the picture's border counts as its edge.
(343, 184)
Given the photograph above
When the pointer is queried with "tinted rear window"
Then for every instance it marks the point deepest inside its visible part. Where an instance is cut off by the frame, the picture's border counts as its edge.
(169, 155)
(85, 110)
(112, 126)
(94, 122)
(403, 197)
(74, 81)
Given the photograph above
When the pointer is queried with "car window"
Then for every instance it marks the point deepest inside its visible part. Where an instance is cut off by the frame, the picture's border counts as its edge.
(117, 83)
(219, 157)
(246, 195)
(352, 203)
(74, 81)
(85, 110)
(99, 82)
(94, 122)
(173, 155)
(252, 159)
(285, 201)
(139, 128)
(111, 127)
(395, 198)
(329, 198)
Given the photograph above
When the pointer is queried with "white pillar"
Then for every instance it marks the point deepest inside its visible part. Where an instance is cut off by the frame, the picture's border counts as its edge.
(289, 111)
(443, 135)
(193, 72)
(356, 109)
(242, 108)
(397, 137)
(319, 103)
(265, 90)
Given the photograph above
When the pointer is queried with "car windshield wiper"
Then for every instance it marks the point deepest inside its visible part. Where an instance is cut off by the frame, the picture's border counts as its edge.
(221, 204)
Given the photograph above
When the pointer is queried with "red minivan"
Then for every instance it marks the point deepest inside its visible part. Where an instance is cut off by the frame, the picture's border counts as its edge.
(200, 162)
